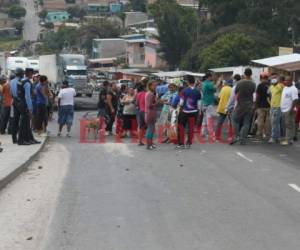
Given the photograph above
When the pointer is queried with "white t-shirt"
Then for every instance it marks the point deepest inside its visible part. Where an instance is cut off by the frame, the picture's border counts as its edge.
(66, 96)
(289, 95)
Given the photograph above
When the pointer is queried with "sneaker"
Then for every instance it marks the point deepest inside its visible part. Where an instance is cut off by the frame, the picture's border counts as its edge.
(271, 141)
(68, 135)
(188, 146)
(150, 147)
(242, 143)
(107, 133)
(284, 143)
(141, 144)
(234, 141)
(180, 147)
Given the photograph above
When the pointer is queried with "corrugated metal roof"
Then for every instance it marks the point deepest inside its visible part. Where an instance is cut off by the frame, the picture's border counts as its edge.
(223, 70)
(278, 60)
(288, 63)
(176, 74)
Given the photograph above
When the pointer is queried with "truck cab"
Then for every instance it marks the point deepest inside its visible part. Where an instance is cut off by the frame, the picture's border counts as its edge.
(73, 68)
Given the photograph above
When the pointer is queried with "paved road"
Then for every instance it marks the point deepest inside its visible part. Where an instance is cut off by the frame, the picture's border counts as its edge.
(122, 197)
(31, 25)
(212, 197)
(86, 103)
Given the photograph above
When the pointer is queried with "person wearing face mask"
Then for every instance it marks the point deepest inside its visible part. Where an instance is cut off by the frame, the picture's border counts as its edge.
(275, 91)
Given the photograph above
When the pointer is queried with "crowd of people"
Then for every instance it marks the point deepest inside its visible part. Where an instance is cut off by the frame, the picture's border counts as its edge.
(269, 111)
(230, 110)
(26, 104)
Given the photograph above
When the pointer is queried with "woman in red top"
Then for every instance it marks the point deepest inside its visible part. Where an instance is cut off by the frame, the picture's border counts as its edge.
(140, 103)
(150, 114)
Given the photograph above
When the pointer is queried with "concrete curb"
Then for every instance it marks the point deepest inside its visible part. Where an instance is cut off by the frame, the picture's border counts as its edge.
(17, 171)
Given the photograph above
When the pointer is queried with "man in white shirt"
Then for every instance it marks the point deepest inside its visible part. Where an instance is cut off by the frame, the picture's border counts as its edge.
(288, 104)
(66, 108)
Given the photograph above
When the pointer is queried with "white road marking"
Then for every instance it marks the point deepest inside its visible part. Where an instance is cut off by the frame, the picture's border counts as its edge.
(244, 157)
(295, 187)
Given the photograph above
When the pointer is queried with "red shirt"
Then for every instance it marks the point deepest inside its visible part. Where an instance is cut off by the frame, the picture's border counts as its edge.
(141, 101)
(7, 99)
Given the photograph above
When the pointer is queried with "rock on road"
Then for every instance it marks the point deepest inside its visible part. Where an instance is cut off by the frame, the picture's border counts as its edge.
(212, 197)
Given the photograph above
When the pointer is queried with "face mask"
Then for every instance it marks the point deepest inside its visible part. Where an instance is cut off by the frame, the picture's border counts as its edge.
(274, 81)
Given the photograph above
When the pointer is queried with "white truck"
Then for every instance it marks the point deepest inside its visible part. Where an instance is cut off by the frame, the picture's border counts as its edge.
(12, 63)
(48, 67)
(70, 67)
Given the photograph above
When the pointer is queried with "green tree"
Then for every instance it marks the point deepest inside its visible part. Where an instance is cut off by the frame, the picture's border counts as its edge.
(65, 37)
(177, 28)
(211, 49)
(274, 16)
(76, 11)
(100, 28)
(138, 5)
(16, 11)
(43, 14)
(19, 25)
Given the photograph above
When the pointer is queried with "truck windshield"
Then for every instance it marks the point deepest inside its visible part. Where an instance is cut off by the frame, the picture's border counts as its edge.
(76, 72)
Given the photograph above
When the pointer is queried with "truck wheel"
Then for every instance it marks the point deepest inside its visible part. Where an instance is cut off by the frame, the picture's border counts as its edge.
(89, 95)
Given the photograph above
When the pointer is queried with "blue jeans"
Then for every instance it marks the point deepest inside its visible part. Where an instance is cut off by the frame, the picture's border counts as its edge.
(275, 122)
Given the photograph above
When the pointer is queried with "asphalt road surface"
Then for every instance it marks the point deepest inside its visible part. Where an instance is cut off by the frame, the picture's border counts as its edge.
(211, 197)
(31, 21)
(86, 103)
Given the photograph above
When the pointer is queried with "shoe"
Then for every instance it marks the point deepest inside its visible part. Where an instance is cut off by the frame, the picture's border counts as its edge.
(188, 146)
(141, 144)
(35, 142)
(154, 145)
(68, 135)
(166, 141)
(180, 147)
(1, 150)
(242, 143)
(25, 143)
(271, 141)
(150, 147)
(234, 141)
(284, 143)
(295, 139)
(107, 133)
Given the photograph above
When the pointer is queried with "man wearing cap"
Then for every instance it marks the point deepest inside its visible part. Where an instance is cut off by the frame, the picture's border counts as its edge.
(19, 74)
(25, 108)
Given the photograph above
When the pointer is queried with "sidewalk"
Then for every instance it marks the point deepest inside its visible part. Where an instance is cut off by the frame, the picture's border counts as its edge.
(14, 159)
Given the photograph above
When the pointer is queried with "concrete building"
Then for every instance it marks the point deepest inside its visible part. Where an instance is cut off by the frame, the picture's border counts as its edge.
(135, 53)
(153, 58)
(6, 22)
(187, 3)
(133, 18)
(57, 16)
(108, 48)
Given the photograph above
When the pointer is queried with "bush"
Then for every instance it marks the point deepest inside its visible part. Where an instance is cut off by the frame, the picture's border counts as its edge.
(16, 11)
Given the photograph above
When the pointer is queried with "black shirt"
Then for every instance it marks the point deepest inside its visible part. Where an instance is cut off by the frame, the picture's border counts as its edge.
(102, 98)
(262, 95)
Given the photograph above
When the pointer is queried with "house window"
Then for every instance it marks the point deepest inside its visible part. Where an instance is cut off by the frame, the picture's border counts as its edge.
(141, 45)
